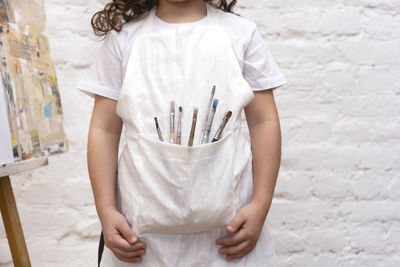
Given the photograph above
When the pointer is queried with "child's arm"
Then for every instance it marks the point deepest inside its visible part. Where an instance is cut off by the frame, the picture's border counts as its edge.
(263, 121)
(102, 153)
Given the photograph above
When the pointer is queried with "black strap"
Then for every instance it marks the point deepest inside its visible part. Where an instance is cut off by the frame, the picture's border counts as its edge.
(101, 248)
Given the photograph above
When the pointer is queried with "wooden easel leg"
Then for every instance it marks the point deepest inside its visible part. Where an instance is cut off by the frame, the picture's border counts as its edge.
(12, 224)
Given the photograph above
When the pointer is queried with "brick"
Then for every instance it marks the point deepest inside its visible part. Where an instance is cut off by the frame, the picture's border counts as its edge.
(291, 186)
(5, 254)
(341, 23)
(326, 260)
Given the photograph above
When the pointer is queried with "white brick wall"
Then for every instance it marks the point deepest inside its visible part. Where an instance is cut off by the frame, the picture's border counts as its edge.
(338, 194)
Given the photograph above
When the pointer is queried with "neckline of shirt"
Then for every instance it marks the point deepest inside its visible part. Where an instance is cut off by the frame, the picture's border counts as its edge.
(161, 23)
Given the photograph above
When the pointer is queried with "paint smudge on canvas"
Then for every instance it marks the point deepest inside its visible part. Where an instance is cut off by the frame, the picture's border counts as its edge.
(29, 81)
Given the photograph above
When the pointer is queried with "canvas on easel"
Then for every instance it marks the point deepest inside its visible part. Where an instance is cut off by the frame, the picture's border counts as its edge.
(31, 117)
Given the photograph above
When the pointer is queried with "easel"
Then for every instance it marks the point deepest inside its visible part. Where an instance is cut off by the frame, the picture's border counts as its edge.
(9, 212)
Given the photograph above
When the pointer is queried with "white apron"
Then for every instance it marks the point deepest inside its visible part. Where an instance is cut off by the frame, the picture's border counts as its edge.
(178, 199)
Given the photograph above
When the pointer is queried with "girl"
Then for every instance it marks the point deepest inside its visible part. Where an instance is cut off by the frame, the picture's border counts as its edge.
(170, 204)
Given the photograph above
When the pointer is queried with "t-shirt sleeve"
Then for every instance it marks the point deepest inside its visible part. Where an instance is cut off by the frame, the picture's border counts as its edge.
(259, 67)
(104, 76)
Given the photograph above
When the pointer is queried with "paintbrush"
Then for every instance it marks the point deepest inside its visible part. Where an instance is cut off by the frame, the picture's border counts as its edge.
(207, 114)
(210, 121)
(158, 129)
(192, 130)
(222, 126)
(179, 128)
(172, 122)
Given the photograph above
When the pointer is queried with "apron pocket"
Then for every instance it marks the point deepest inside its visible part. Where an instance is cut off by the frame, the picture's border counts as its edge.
(181, 189)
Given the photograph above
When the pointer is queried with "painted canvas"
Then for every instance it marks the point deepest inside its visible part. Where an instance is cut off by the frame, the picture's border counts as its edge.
(31, 97)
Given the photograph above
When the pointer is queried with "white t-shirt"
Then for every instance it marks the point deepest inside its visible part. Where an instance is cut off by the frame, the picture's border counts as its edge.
(107, 72)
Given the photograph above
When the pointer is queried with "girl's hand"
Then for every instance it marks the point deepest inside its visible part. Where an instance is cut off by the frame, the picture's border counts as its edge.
(245, 229)
(119, 237)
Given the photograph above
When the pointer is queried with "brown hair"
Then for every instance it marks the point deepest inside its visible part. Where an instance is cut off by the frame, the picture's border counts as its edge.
(118, 12)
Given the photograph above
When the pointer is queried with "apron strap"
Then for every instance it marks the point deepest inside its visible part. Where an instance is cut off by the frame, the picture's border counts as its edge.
(101, 249)
(148, 23)
(212, 15)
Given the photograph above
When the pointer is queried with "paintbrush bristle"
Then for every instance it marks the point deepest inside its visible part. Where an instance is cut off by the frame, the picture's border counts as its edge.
(180, 109)
(172, 106)
(229, 114)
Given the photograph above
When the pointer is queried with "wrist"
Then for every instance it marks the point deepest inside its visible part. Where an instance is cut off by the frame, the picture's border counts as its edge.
(262, 204)
(104, 210)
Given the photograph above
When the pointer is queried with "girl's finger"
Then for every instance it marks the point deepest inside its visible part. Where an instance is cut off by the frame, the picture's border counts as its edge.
(232, 240)
(137, 246)
(119, 242)
(246, 251)
(129, 254)
(127, 232)
(234, 249)
(236, 222)
(131, 260)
